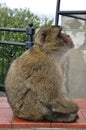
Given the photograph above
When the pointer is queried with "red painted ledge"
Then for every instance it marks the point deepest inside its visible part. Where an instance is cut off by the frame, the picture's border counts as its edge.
(8, 120)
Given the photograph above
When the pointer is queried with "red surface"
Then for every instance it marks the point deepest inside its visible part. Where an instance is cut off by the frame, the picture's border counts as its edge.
(7, 119)
(25, 124)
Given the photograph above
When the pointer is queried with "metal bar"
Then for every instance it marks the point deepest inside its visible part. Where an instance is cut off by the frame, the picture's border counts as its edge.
(13, 29)
(30, 32)
(2, 87)
(67, 13)
(72, 12)
(77, 17)
(74, 30)
(12, 43)
(2, 63)
(57, 14)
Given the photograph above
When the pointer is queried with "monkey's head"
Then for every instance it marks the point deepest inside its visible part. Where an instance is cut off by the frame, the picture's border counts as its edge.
(50, 39)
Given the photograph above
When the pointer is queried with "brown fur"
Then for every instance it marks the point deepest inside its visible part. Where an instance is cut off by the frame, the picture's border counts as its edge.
(34, 80)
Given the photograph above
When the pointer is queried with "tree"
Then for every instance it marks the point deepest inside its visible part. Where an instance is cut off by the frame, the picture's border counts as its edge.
(15, 18)
(19, 18)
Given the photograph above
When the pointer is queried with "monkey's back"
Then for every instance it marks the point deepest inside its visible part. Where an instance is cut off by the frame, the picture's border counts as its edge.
(31, 81)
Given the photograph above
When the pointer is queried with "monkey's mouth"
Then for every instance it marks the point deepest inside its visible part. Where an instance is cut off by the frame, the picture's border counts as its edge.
(67, 39)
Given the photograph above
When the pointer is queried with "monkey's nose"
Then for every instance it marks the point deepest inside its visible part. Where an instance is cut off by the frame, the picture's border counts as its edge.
(68, 35)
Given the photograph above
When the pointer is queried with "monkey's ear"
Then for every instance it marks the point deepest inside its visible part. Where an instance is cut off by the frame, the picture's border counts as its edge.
(43, 36)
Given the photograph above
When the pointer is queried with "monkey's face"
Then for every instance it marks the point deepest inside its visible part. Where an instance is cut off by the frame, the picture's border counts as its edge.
(50, 39)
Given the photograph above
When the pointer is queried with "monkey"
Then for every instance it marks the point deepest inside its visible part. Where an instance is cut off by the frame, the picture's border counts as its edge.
(34, 80)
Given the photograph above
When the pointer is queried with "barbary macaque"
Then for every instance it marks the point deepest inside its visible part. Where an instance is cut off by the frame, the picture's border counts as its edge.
(34, 80)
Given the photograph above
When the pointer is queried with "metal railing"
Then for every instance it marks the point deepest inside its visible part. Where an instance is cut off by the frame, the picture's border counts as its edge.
(68, 13)
(10, 50)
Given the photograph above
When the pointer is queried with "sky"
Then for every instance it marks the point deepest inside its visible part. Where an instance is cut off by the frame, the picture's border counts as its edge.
(46, 7)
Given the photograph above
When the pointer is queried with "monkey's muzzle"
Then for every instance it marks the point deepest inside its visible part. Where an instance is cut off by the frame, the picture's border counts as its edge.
(67, 39)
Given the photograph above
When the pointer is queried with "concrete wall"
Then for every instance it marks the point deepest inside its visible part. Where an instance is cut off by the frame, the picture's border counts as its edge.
(76, 61)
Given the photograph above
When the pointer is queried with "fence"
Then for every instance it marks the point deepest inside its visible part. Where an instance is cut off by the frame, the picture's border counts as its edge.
(73, 14)
(10, 50)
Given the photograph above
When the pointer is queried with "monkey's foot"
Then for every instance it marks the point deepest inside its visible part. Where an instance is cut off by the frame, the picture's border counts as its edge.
(60, 117)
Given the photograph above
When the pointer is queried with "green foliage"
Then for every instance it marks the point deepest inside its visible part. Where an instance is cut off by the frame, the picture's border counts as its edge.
(15, 18)
(19, 18)
(44, 21)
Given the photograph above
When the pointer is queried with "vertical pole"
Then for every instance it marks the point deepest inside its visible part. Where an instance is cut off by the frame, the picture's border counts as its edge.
(57, 12)
(30, 31)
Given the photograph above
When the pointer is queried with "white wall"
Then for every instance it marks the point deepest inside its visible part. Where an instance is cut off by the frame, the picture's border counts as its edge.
(76, 61)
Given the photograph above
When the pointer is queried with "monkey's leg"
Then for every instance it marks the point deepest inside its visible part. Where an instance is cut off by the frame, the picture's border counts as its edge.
(29, 107)
(58, 116)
